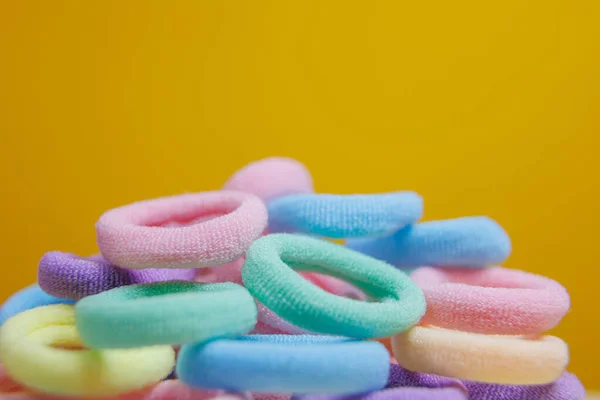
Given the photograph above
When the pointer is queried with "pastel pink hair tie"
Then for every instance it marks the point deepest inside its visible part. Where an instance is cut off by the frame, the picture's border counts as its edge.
(272, 177)
(173, 232)
(497, 301)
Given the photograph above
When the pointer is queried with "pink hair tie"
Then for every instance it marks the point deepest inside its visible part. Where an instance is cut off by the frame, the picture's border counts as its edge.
(272, 177)
(167, 232)
(495, 300)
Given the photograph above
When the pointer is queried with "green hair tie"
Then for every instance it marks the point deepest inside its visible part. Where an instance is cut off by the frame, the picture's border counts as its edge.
(269, 275)
(175, 312)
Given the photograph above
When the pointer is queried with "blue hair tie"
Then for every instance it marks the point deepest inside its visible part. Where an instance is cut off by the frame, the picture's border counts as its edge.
(285, 364)
(461, 242)
(26, 299)
(344, 216)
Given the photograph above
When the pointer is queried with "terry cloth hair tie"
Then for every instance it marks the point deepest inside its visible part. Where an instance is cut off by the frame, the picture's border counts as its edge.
(269, 275)
(73, 277)
(30, 350)
(25, 299)
(406, 385)
(567, 387)
(344, 216)
(272, 177)
(175, 312)
(330, 284)
(509, 360)
(497, 301)
(461, 242)
(268, 321)
(285, 364)
(142, 235)
(403, 393)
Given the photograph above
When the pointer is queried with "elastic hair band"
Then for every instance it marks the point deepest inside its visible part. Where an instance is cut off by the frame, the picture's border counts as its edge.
(25, 299)
(269, 322)
(172, 313)
(496, 300)
(269, 276)
(272, 177)
(294, 364)
(167, 232)
(29, 348)
(344, 216)
(567, 387)
(461, 242)
(401, 393)
(509, 360)
(73, 277)
(406, 385)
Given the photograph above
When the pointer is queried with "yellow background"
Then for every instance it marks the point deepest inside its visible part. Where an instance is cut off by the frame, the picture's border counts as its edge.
(484, 107)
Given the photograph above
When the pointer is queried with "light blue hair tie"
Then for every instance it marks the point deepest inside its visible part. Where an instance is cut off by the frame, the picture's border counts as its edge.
(268, 275)
(344, 216)
(174, 312)
(285, 364)
(26, 299)
(461, 242)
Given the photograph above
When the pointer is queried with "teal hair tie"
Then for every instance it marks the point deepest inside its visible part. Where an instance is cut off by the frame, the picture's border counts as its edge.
(269, 275)
(175, 312)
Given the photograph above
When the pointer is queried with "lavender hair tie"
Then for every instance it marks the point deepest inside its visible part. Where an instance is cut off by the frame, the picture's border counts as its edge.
(403, 393)
(69, 276)
(406, 385)
(567, 387)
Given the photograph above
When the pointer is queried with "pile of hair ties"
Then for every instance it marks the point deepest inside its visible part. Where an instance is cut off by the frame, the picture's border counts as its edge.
(239, 293)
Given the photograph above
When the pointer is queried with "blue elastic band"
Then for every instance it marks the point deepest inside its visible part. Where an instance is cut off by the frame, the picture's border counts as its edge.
(26, 299)
(285, 364)
(461, 242)
(344, 216)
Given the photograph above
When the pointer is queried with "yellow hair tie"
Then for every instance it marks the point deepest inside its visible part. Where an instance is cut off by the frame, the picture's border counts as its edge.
(513, 360)
(36, 347)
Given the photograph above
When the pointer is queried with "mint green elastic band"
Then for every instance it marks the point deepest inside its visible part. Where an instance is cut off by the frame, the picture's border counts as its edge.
(175, 312)
(269, 275)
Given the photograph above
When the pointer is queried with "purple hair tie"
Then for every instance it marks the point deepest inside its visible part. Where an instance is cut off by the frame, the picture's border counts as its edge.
(69, 276)
(567, 387)
(402, 393)
(404, 385)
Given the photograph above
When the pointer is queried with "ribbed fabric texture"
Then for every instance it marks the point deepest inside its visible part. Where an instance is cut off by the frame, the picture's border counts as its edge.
(496, 301)
(29, 357)
(69, 276)
(165, 313)
(142, 235)
(407, 393)
(406, 385)
(270, 323)
(26, 299)
(461, 242)
(428, 386)
(400, 303)
(344, 216)
(567, 387)
(285, 364)
(272, 177)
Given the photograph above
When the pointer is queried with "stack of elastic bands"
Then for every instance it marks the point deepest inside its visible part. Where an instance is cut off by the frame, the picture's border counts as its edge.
(235, 294)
